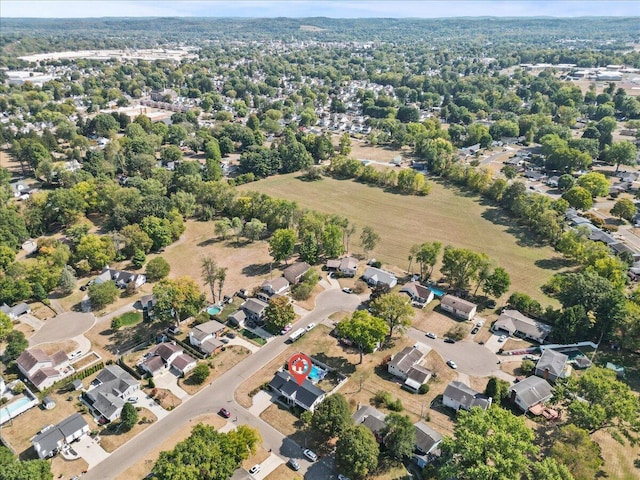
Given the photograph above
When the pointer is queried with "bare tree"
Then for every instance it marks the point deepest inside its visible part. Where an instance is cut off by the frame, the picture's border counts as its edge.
(210, 274)
(221, 276)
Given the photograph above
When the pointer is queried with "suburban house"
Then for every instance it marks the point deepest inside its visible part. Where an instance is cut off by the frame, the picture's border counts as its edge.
(530, 392)
(203, 332)
(371, 418)
(277, 286)
(458, 396)
(419, 294)
(15, 311)
(306, 396)
(254, 309)
(108, 391)
(512, 322)
(458, 307)
(43, 370)
(416, 377)
(348, 266)
(404, 360)
(147, 302)
(120, 277)
(237, 318)
(294, 273)
(552, 365)
(166, 356)
(427, 443)
(54, 438)
(375, 276)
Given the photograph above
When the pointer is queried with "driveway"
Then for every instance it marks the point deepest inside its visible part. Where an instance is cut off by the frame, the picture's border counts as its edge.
(149, 403)
(32, 321)
(90, 450)
(243, 343)
(272, 462)
(493, 344)
(62, 327)
(169, 381)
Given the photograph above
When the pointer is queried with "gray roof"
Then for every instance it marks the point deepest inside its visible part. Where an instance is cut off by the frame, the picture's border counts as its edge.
(513, 320)
(211, 345)
(203, 330)
(183, 361)
(533, 390)
(293, 272)
(254, 305)
(426, 437)
(107, 404)
(600, 236)
(379, 276)
(50, 438)
(120, 277)
(419, 374)
(277, 284)
(406, 358)
(237, 317)
(348, 263)
(112, 380)
(458, 303)
(553, 361)
(466, 396)
(306, 394)
(414, 289)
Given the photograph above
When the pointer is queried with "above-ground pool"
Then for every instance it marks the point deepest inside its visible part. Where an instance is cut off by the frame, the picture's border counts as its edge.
(214, 310)
(437, 292)
(316, 374)
(12, 409)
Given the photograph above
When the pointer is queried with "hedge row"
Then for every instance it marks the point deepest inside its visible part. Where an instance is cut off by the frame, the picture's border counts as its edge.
(65, 382)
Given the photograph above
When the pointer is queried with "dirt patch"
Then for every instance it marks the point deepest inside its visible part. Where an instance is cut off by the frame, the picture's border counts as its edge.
(163, 397)
(283, 473)
(42, 311)
(67, 346)
(218, 364)
(67, 468)
(112, 438)
(143, 466)
(430, 320)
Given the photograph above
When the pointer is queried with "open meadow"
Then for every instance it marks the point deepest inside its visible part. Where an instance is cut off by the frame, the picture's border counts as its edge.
(447, 215)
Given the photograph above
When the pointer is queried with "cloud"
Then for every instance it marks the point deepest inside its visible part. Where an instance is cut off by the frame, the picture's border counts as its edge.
(308, 8)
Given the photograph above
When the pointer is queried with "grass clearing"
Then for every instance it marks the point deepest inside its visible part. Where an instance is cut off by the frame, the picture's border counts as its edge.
(219, 363)
(283, 473)
(130, 318)
(448, 215)
(67, 468)
(621, 462)
(111, 438)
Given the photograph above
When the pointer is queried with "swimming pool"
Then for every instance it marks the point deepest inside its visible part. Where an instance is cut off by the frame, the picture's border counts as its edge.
(214, 310)
(437, 292)
(316, 374)
(13, 409)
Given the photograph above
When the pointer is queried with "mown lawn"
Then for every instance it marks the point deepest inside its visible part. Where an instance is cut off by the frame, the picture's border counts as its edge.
(447, 215)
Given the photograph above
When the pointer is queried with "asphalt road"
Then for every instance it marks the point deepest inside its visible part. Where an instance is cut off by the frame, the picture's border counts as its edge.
(471, 358)
(221, 393)
(63, 326)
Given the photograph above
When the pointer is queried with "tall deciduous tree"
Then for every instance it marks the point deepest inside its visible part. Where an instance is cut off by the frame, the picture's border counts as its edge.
(625, 209)
(278, 314)
(103, 294)
(12, 468)
(368, 239)
(394, 309)
(399, 435)
(282, 243)
(332, 417)
(178, 299)
(157, 269)
(491, 444)
(426, 255)
(357, 452)
(574, 449)
(209, 269)
(621, 153)
(128, 417)
(461, 265)
(363, 329)
(497, 283)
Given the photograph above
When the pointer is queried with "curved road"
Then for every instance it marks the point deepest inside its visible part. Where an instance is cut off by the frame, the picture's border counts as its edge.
(62, 327)
(221, 393)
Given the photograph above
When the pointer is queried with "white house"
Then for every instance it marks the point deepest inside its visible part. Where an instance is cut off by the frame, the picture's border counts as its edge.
(15, 311)
(277, 286)
(458, 396)
(306, 396)
(44, 370)
(376, 276)
(419, 294)
(458, 307)
(512, 322)
(52, 439)
(167, 356)
(205, 331)
(108, 391)
(402, 361)
(530, 392)
(121, 278)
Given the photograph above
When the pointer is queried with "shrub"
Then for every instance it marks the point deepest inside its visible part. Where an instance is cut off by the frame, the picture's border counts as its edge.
(395, 406)
(527, 367)
(382, 398)
(157, 269)
(151, 383)
(424, 388)
(18, 387)
(200, 373)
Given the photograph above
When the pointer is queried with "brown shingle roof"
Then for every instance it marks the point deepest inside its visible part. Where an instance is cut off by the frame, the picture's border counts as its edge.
(30, 358)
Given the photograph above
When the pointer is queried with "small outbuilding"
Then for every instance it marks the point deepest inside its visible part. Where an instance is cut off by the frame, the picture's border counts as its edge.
(48, 403)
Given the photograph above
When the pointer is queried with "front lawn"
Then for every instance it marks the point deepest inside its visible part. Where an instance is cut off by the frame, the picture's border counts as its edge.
(130, 318)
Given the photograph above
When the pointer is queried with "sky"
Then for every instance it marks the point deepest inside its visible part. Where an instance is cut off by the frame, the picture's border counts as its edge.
(317, 8)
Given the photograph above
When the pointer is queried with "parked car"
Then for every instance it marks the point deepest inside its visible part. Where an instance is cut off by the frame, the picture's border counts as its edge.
(449, 340)
(231, 335)
(242, 293)
(227, 299)
(310, 327)
(293, 465)
(310, 455)
(132, 400)
(502, 338)
(452, 364)
(224, 413)
(255, 469)
(432, 335)
(347, 290)
(285, 329)
(533, 358)
(342, 477)
(475, 330)
(174, 330)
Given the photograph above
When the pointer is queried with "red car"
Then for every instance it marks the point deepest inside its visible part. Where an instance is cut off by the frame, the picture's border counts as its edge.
(225, 413)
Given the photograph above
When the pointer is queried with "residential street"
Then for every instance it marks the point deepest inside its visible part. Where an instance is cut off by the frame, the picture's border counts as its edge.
(62, 327)
(220, 393)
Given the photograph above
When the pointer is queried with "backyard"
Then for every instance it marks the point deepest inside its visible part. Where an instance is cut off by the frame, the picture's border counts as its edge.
(447, 215)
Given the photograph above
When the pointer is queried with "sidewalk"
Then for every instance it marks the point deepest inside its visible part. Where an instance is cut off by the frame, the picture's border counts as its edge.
(268, 466)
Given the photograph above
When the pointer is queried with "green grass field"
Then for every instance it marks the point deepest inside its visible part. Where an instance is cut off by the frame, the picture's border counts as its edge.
(130, 318)
(447, 215)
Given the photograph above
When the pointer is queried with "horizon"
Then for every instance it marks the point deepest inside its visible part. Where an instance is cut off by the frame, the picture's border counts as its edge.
(350, 9)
